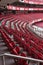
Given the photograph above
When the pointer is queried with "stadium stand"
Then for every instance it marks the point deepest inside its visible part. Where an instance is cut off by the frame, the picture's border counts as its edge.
(22, 46)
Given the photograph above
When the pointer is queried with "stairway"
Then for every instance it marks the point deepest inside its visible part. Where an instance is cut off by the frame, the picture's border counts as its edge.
(4, 49)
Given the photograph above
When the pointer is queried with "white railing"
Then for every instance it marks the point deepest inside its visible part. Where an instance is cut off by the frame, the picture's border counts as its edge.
(16, 56)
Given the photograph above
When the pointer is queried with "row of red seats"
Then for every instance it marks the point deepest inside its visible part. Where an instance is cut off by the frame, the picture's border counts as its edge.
(13, 47)
(36, 38)
(5, 17)
(39, 47)
(23, 37)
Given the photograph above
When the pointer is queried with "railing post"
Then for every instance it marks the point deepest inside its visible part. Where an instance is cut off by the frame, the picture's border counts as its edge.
(38, 63)
(3, 60)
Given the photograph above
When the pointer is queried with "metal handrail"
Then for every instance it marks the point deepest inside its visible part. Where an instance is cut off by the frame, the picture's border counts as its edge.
(26, 58)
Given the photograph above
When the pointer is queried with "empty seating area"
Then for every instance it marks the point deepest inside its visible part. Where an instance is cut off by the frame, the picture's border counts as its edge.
(24, 8)
(21, 32)
(19, 38)
(37, 2)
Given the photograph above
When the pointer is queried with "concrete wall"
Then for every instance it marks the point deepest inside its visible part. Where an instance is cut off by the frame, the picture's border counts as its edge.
(4, 2)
